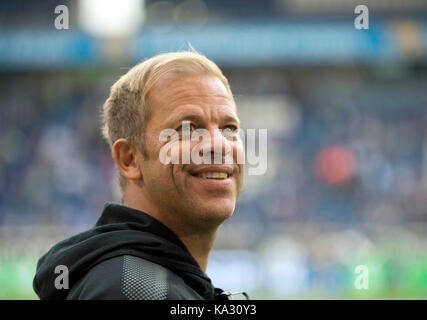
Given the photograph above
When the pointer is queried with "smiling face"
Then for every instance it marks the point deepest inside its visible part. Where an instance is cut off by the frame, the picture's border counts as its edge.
(201, 195)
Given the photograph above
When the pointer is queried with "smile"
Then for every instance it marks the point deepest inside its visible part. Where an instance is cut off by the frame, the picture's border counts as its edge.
(213, 172)
(213, 175)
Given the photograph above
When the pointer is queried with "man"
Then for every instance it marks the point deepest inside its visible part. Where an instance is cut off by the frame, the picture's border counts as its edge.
(156, 244)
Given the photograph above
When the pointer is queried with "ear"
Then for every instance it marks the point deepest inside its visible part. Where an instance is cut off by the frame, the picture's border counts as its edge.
(126, 157)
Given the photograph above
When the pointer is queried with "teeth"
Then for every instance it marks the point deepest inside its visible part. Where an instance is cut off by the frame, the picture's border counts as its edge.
(213, 175)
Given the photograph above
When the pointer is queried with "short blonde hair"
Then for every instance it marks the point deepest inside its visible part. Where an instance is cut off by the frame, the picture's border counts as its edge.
(127, 109)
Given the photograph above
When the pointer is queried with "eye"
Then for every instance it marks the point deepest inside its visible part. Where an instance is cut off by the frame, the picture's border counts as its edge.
(186, 127)
(230, 129)
(229, 132)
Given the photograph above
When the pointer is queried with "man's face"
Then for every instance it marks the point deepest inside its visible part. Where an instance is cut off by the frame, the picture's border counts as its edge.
(202, 194)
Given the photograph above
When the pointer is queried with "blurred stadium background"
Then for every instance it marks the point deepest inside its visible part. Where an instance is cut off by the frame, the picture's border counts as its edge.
(345, 109)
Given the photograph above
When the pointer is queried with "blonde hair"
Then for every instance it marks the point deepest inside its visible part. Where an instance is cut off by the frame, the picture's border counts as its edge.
(127, 109)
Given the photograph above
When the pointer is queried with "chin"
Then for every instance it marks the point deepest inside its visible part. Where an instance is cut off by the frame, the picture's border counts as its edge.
(218, 210)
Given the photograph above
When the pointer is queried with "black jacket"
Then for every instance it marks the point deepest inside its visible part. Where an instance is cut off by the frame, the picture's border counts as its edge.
(127, 255)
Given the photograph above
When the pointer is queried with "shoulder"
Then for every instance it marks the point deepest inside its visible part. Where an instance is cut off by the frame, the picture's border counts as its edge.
(143, 280)
(128, 277)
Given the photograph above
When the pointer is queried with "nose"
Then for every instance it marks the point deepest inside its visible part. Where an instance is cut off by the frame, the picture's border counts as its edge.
(217, 148)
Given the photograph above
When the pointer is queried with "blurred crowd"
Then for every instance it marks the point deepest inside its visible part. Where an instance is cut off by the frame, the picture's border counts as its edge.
(345, 182)
(343, 147)
(353, 148)
(346, 178)
(54, 168)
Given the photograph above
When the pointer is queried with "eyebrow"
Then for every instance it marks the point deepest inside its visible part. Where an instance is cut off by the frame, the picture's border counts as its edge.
(185, 116)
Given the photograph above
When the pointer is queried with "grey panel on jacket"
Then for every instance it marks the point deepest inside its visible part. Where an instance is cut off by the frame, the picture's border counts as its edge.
(128, 277)
(143, 280)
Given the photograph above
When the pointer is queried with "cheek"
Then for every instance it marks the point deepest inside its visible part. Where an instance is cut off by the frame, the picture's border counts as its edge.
(157, 170)
(162, 180)
(177, 176)
(239, 158)
(239, 152)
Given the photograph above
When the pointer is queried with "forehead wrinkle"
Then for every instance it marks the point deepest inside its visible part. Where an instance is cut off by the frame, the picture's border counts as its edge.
(223, 113)
(203, 103)
(198, 113)
(189, 86)
(184, 96)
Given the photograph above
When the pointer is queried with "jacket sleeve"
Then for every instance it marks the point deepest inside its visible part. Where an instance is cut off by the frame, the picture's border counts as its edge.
(102, 282)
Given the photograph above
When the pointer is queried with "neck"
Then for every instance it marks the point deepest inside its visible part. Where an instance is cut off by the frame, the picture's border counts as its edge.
(199, 246)
(198, 241)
